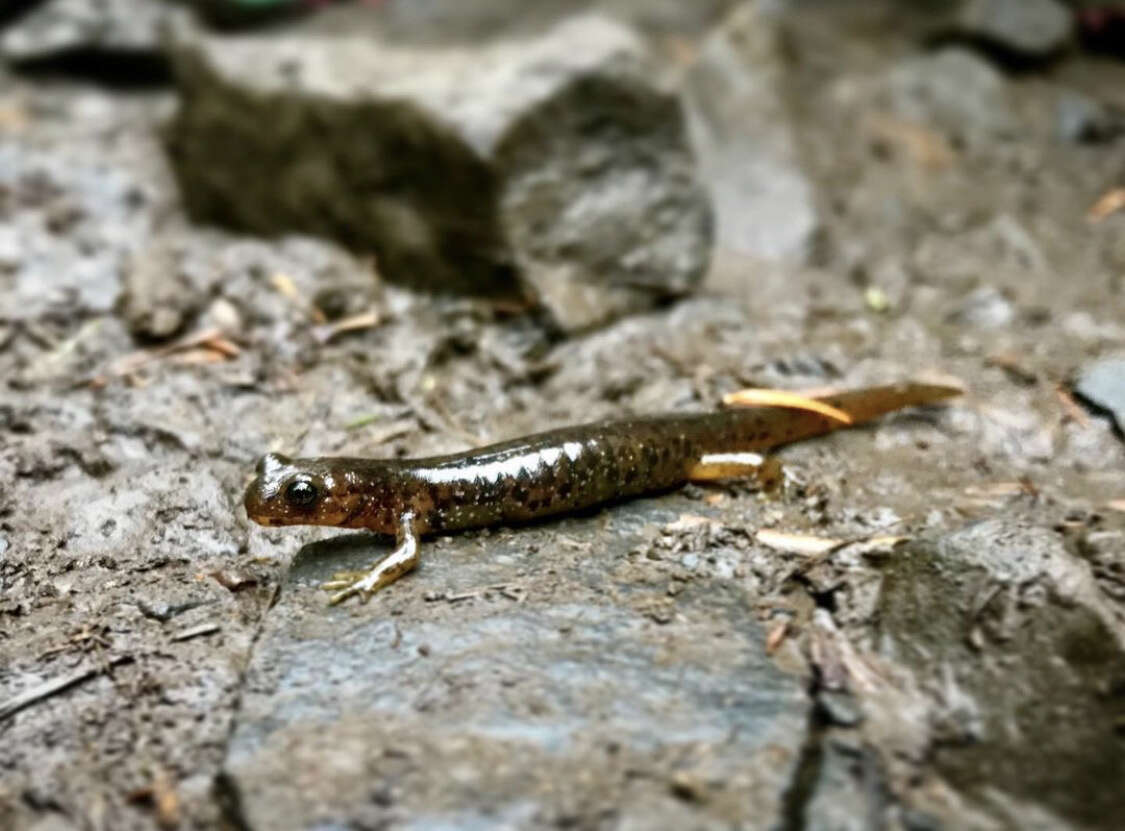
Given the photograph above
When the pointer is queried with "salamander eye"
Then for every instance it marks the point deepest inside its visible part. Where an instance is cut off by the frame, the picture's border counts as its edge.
(301, 493)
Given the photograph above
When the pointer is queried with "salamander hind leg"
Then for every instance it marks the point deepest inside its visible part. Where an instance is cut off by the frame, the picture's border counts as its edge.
(382, 573)
(714, 466)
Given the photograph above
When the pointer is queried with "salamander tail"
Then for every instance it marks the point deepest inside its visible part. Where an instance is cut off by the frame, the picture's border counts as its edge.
(872, 402)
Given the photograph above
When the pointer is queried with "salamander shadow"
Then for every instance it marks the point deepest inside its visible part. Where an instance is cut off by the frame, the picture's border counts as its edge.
(318, 560)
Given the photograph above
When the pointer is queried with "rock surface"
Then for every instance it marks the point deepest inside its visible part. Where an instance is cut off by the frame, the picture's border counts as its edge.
(1027, 28)
(764, 204)
(56, 27)
(956, 91)
(1004, 598)
(528, 164)
(1080, 118)
(1102, 384)
(698, 720)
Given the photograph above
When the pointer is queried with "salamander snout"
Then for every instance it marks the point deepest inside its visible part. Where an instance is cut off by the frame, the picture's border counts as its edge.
(283, 493)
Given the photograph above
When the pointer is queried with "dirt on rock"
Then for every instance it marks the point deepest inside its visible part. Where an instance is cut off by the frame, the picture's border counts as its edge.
(922, 627)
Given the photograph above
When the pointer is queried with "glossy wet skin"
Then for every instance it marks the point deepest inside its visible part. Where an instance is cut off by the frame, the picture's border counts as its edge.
(541, 475)
(312, 492)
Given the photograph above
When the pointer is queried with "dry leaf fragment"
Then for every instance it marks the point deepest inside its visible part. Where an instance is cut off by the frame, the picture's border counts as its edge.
(233, 580)
(776, 636)
(687, 522)
(1073, 411)
(878, 546)
(211, 339)
(924, 147)
(285, 286)
(995, 489)
(1108, 203)
(355, 323)
(163, 798)
(805, 544)
(197, 357)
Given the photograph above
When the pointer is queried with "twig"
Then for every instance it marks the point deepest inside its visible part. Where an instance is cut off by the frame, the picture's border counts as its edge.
(195, 632)
(49, 688)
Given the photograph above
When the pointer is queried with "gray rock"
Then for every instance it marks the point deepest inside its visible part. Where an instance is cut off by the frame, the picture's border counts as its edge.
(1079, 118)
(1102, 384)
(158, 294)
(1026, 28)
(452, 697)
(59, 26)
(553, 165)
(955, 91)
(846, 794)
(985, 308)
(79, 221)
(764, 203)
(1016, 642)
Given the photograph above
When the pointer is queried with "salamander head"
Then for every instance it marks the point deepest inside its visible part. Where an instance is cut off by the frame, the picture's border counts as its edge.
(297, 492)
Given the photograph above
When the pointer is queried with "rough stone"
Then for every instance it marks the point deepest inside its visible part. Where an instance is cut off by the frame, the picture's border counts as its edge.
(161, 291)
(459, 696)
(984, 308)
(997, 618)
(1102, 384)
(56, 27)
(1012, 252)
(764, 202)
(528, 165)
(956, 91)
(77, 224)
(1025, 28)
(1079, 118)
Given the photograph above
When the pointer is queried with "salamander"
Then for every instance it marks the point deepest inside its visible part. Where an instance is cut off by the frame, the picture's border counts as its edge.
(542, 475)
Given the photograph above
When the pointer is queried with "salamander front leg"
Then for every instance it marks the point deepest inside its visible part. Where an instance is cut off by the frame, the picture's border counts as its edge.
(382, 573)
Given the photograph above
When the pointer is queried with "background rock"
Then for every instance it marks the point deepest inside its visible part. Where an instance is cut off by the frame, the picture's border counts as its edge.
(1102, 384)
(956, 91)
(1082, 119)
(1029, 29)
(486, 172)
(700, 721)
(1017, 606)
(56, 27)
(764, 203)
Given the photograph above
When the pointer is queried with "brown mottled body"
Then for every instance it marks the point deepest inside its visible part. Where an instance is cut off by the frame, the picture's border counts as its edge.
(550, 473)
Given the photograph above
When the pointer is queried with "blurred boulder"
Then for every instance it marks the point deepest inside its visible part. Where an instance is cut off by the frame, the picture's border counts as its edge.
(1017, 29)
(764, 203)
(1023, 654)
(984, 308)
(1101, 383)
(59, 27)
(554, 167)
(1079, 118)
(954, 91)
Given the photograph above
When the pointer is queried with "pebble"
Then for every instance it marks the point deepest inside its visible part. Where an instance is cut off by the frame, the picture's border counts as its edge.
(984, 308)
(1102, 385)
(1081, 119)
(1030, 29)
